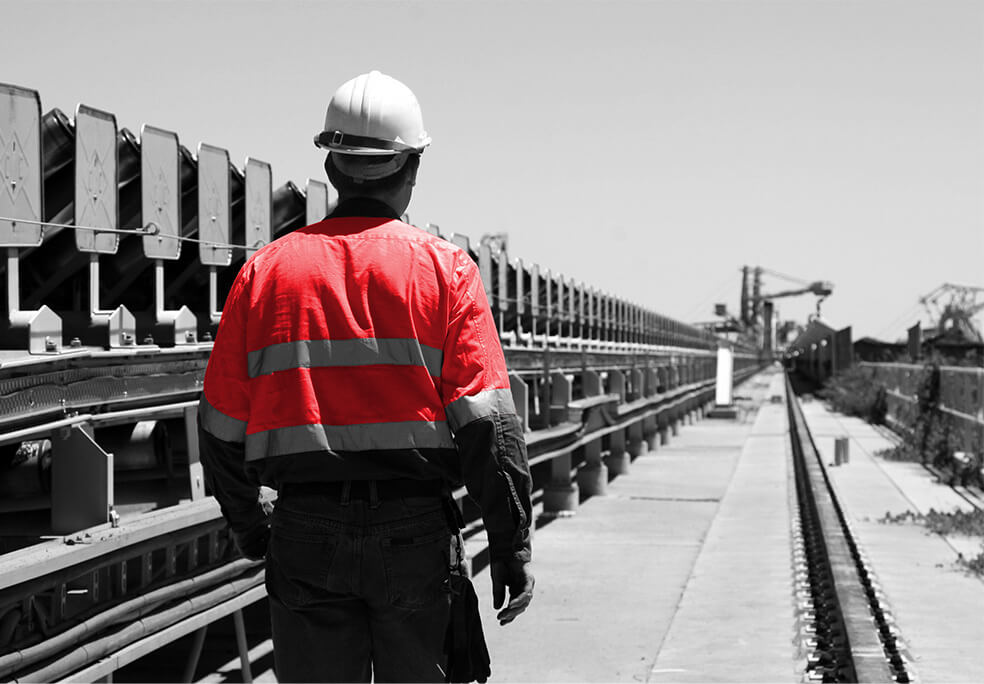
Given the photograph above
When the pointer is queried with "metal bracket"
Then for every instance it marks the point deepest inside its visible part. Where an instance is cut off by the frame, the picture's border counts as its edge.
(81, 480)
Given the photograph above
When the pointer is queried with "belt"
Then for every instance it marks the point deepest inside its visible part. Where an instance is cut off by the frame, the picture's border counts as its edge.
(385, 489)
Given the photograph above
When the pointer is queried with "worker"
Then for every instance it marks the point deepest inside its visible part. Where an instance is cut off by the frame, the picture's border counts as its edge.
(358, 371)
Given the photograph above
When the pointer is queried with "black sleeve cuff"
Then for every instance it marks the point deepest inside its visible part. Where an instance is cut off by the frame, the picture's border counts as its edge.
(497, 475)
(224, 466)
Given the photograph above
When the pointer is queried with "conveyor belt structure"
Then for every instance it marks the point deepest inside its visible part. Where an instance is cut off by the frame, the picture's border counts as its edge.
(119, 251)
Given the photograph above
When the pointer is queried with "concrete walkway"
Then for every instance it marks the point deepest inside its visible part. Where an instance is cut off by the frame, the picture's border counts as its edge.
(735, 618)
(937, 605)
(682, 572)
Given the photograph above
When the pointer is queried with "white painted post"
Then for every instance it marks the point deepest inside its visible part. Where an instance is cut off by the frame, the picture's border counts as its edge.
(725, 368)
(592, 476)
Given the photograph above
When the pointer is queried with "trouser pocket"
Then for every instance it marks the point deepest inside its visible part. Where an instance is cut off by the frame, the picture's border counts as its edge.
(417, 567)
(299, 560)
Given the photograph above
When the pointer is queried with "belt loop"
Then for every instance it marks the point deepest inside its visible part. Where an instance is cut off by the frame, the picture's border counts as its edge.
(346, 492)
(373, 495)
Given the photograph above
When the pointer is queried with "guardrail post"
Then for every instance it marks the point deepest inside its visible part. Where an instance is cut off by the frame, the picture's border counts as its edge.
(521, 398)
(560, 397)
(652, 382)
(616, 385)
(663, 431)
(618, 458)
(196, 476)
(638, 445)
(194, 654)
(241, 645)
(561, 495)
(650, 433)
(591, 383)
(592, 477)
(642, 435)
(637, 391)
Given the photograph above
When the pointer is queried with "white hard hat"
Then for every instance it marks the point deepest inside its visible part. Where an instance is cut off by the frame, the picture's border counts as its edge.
(372, 115)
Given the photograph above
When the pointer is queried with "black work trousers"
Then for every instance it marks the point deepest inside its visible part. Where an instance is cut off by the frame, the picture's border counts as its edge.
(358, 588)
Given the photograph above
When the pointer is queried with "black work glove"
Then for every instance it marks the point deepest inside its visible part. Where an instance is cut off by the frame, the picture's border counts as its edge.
(516, 575)
(252, 542)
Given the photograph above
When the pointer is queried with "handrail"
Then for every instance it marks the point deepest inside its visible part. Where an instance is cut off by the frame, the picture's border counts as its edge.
(158, 411)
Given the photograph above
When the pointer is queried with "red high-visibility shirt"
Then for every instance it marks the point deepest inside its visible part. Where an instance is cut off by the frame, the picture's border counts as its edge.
(364, 348)
(354, 334)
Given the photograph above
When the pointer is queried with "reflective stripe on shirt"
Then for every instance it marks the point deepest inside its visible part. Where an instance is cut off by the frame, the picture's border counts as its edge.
(360, 437)
(469, 408)
(353, 352)
(218, 424)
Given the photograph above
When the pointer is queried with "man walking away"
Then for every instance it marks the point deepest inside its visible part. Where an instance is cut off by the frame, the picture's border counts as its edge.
(357, 370)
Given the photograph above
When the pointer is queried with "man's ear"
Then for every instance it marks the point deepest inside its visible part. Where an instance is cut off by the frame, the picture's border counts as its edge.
(414, 162)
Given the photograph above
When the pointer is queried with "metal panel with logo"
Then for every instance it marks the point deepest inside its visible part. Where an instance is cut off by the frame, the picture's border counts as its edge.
(520, 286)
(20, 166)
(317, 201)
(96, 197)
(259, 211)
(213, 205)
(160, 191)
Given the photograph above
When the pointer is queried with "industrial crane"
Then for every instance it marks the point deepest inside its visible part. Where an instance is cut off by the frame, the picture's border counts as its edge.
(751, 305)
(955, 317)
(821, 288)
(755, 318)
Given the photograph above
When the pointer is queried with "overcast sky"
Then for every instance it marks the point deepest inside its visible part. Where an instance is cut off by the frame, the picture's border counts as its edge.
(646, 148)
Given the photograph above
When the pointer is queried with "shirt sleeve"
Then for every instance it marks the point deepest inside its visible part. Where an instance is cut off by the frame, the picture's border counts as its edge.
(223, 413)
(480, 411)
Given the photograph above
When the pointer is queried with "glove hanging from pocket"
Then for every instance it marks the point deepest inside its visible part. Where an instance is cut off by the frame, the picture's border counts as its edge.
(468, 654)
(464, 643)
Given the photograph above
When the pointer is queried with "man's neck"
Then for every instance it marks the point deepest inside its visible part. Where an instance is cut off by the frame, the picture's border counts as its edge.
(363, 206)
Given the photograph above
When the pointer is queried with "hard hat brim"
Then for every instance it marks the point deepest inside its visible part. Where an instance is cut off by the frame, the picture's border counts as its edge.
(359, 151)
(347, 143)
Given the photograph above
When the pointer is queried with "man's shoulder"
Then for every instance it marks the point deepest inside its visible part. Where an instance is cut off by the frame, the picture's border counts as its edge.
(426, 238)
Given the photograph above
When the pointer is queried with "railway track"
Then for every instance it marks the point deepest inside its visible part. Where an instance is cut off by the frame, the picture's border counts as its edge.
(846, 631)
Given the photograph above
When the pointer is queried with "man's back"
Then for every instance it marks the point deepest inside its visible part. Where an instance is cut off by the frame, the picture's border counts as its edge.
(333, 303)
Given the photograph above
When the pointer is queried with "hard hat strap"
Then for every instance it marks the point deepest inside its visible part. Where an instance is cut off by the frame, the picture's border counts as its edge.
(334, 139)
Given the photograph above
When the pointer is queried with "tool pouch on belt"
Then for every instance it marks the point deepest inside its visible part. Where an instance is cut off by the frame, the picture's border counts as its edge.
(464, 643)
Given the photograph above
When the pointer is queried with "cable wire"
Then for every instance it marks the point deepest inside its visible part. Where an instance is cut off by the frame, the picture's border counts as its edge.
(728, 283)
(908, 313)
(790, 278)
(150, 229)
